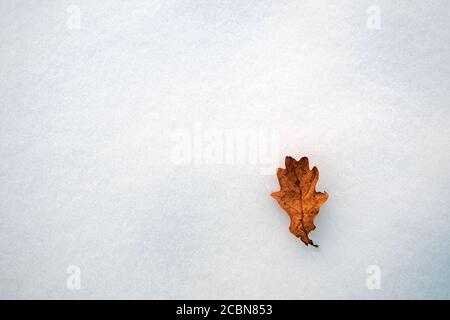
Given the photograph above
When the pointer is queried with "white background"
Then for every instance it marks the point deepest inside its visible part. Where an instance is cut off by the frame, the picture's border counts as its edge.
(87, 177)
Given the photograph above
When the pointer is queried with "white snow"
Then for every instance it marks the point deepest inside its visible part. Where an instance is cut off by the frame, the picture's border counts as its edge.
(91, 93)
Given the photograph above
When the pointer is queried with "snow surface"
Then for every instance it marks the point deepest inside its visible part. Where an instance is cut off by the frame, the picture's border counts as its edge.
(92, 92)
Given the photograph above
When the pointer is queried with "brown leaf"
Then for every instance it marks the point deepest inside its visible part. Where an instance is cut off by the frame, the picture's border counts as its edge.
(298, 196)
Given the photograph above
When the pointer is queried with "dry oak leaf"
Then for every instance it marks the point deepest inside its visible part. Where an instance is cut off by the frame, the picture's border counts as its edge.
(298, 196)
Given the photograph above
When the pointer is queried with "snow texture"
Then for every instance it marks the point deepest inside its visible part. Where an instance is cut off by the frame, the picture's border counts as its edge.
(91, 93)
